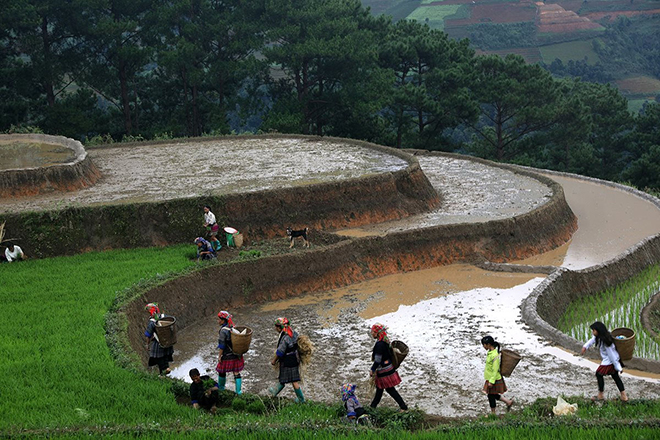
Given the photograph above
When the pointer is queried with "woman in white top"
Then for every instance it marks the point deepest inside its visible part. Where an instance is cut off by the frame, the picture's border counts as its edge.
(611, 363)
(14, 253)
(209, 222)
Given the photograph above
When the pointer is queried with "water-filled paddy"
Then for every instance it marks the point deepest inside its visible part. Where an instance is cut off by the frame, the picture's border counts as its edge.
(18, 155)
(145, 173)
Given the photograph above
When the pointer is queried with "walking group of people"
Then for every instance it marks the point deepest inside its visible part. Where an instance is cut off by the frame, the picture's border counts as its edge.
(383, 373)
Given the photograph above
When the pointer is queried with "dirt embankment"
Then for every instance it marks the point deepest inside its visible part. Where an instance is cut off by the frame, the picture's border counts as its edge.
(79, 173)
(259, 215)
(202, 293)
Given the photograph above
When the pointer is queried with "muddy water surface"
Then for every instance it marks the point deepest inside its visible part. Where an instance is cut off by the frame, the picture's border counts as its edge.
(162, 172)
(19, 155)
(441, 314)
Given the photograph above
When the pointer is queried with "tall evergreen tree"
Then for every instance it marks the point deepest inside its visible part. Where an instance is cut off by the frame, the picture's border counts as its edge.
(326, 59)
(430, 92)
(518, 100)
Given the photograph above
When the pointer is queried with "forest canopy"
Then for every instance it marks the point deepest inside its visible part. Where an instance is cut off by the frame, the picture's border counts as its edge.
(142, 69)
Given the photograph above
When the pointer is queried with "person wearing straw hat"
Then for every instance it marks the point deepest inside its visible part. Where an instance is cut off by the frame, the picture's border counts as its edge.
(158, 355)
(382, 369)
(288, 358)
(494, 385)
(611, 362)
(228, 361)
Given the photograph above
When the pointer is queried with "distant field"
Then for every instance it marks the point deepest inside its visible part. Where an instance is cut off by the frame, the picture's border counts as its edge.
(635, 105)
(595, 16)
(496, 13)
(639, 85)
(573, 50)
(434, 15)
(530, 54)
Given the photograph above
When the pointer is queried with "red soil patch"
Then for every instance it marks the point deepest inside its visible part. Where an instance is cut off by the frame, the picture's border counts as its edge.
(639, 85)
(553, 18)
(614, 14)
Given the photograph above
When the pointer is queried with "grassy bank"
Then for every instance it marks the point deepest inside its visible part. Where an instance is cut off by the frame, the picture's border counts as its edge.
(59, 379)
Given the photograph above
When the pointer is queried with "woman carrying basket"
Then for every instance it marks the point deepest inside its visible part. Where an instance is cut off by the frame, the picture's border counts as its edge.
(382, 369)
(611, 363)
(228, 361)
(158, 355)
(288, 358)
(494, 386)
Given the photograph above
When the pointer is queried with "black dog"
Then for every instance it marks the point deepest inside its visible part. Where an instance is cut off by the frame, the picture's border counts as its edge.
(291, 234)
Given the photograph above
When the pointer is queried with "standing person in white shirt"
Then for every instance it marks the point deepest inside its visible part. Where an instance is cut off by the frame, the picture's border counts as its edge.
(209, 222)
(14, 253)
(611, 363)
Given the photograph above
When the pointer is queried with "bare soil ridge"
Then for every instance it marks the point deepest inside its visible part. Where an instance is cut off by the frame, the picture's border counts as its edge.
(77, 174)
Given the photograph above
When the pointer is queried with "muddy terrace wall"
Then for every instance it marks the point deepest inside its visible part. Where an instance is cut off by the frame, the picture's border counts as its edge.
(351, 261)
(259, 215)
(545, 306)
(58, 177)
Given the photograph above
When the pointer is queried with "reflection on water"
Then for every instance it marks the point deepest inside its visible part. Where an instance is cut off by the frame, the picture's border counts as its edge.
(17, 155)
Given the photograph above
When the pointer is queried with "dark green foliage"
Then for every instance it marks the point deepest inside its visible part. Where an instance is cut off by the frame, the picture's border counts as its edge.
(581, 69)
(256, 407)
(239, 404)
(493, 36)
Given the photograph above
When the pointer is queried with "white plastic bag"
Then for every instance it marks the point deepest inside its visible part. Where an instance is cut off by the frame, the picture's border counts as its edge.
(564, 408)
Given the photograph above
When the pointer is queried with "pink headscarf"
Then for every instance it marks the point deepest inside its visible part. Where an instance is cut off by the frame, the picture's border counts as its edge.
(226, 315)
(153, 309)
(381, 332)
(284, 323)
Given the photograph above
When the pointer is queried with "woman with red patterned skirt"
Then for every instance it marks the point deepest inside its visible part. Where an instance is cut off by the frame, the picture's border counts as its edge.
(383, 369)
(228, 361)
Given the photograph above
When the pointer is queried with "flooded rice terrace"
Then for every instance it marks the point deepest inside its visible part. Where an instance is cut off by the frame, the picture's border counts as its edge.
(143, 173)
(18, 155)
(442, 313)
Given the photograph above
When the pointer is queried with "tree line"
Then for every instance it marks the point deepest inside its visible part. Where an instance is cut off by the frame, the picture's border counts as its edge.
(149, 69)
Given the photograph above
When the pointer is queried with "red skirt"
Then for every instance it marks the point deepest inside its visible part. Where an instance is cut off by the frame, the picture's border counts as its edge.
(387, 381)
(499, 387)
(230, 365)
(605, 370)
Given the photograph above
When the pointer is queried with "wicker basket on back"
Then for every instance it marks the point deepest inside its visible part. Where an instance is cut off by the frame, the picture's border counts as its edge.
(166, 331)
(241, 337)
(624, 341)
(399, 352)
(509, 361)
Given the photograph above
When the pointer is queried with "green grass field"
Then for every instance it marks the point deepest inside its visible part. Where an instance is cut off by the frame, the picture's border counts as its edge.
(571, 51)
(58, 377)
(434, 16)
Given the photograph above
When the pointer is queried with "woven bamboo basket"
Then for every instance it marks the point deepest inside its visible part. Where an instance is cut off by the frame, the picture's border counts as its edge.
(399, 352)
(166, 331)
(509, 361)
(238, 240)
(626, 345)
(240, 343)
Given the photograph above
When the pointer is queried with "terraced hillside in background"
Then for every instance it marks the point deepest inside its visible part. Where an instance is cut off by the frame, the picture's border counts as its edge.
(567, 30)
